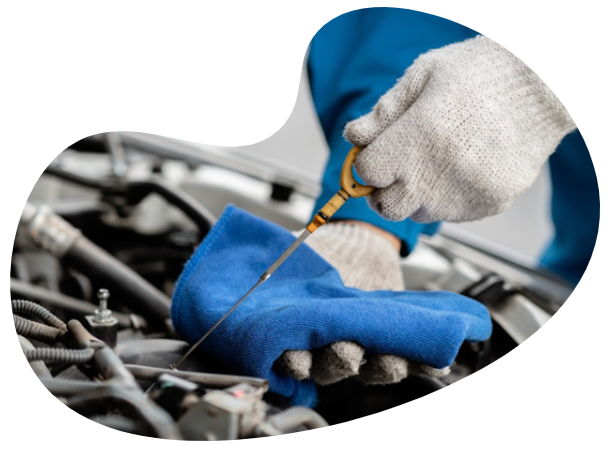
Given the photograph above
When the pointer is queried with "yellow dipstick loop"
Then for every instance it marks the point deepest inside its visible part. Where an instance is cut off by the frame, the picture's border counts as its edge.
(347, 181)
(350, 188)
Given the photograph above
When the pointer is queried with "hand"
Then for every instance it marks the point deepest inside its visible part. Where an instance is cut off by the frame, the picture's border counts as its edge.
(305, 306)
(367, 258)
(465, 131)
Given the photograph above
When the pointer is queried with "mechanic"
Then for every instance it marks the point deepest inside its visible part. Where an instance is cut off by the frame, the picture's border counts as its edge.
(465, 130)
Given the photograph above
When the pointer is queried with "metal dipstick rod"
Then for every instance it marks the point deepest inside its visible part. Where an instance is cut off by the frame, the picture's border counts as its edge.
(350, 188)
(261, 280)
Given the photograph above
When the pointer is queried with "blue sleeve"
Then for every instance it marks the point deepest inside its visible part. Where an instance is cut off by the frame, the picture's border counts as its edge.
(353, 60)
(575, 209)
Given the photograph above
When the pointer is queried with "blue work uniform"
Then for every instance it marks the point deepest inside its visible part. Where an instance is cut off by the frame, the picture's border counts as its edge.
(355, 58)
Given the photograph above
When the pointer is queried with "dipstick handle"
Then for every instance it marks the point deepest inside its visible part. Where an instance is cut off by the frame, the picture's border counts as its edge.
(350, 188)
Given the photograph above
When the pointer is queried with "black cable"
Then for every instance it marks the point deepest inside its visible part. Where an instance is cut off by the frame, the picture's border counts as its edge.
(68, 387)
(54, 234)
(130, 403)
(208, 380)
(131, 288)
(60, 355)
(23, 307)
(67, 303)
(73, 177)
(136, 191)
(36, 331)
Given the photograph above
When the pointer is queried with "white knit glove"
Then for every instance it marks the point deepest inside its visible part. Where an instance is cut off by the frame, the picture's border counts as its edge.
(365, 260)
(465, 131)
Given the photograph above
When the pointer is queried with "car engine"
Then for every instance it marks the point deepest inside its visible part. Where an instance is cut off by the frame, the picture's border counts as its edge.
(105, 235)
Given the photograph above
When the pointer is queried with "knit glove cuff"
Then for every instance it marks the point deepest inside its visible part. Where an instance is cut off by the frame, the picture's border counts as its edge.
(363, 258)
(464, 132)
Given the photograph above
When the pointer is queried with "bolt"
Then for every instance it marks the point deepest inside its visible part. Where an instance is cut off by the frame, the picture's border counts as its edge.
(103, 314)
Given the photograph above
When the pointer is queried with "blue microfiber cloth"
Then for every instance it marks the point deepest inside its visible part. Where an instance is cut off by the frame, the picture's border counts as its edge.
(305, 306)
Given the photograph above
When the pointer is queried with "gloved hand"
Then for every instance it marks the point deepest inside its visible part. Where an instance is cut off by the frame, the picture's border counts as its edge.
(465, 131)
(305, 306)
(366, 260)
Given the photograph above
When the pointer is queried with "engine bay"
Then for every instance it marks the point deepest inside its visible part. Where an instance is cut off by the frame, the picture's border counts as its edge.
(106, 233)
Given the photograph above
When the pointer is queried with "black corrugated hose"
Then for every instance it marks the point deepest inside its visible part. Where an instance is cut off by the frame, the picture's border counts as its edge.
(36, 331)
(60, 355)
(29, 308)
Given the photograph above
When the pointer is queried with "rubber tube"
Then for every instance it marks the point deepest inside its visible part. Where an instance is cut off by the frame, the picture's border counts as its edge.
(135, 292)
(98, 401)
(135, 191)
(68, 387)
(73, 177)
(110, 366)
(150, 374)
(116, 422)
(202, 217)
(36, 331)
(60, 238)
(68, 303)
(294, 417)
(23, 307)
(60, 355)
(38, 366)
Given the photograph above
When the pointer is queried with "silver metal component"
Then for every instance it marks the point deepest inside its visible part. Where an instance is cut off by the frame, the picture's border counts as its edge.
(516, 314)
(423, 265)
(209, 422)
(290, 420)
(304, 235)
(116, 149)
(483, 254)
(264, 277)
(246, 163)
(49, 230)
(207, 380)
(225, 414)
(458, 276)
(103, 314)
(519, 317)
(28, 214)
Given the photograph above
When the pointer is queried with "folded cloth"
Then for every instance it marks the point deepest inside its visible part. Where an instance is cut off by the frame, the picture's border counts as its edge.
(305, 306)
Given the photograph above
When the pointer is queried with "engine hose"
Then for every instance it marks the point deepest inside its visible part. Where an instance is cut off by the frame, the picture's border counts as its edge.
(66, 387)
(36, 331)
(68, 303)
(131, 403)
(60, 355)
(135, 191)
(202, 217)
(72, 177)
(24, 307)
(111, 366)
(39, 367)
(60, 238)
(291, 419)
(209, 380)
(117, 422)
(134, 291)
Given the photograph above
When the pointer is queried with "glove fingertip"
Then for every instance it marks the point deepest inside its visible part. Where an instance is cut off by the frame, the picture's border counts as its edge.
(295, 364)
(362, 131)
(392, 203)
(383, 369)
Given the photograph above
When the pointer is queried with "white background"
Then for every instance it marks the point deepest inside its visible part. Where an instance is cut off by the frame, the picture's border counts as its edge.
(227, 73)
